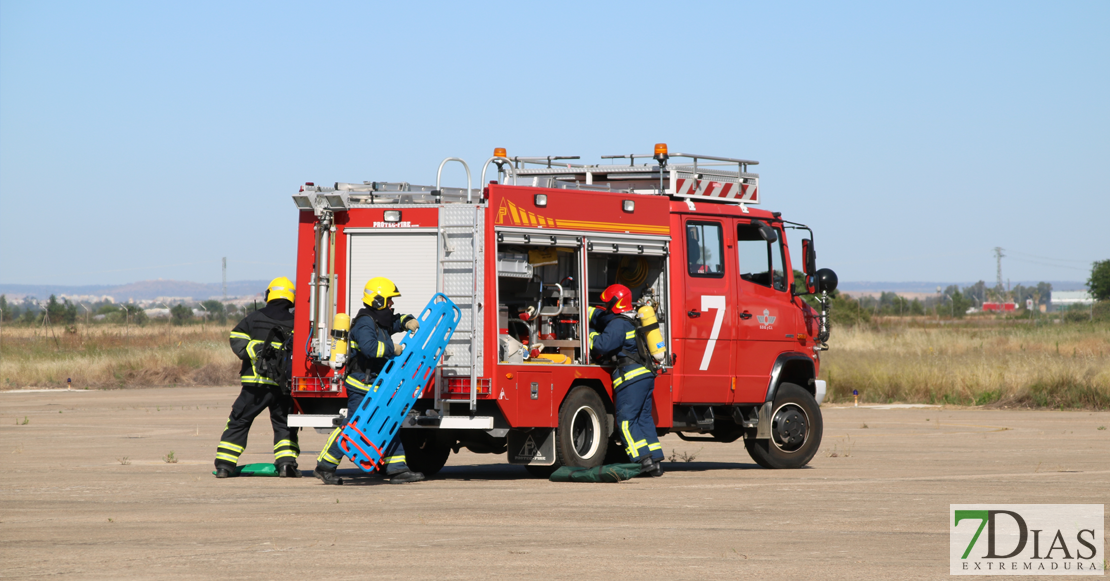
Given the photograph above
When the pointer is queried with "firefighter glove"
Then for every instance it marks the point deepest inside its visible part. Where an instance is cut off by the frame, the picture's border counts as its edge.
(398, 348)
(412, 324)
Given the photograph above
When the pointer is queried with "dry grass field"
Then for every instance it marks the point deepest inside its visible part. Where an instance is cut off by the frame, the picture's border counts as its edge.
(105, 356)
(1058, 366)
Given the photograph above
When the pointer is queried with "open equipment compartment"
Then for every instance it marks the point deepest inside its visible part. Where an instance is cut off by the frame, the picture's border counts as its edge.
(639, 263)
(539, 302)
(539, 284)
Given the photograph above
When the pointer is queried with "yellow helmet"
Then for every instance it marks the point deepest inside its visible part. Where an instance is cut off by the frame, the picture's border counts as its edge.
(280, 288)
(378, 291)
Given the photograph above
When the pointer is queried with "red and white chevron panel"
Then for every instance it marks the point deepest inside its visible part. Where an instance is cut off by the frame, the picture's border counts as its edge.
(723, 190)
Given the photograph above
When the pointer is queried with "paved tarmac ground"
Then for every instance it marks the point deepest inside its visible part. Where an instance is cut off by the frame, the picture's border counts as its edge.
(86, 494)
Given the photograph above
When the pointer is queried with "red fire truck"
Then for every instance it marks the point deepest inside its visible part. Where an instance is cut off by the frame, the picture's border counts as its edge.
(524, 255)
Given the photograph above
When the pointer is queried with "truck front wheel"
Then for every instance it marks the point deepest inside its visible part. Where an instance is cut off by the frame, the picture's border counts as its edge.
(796, 429)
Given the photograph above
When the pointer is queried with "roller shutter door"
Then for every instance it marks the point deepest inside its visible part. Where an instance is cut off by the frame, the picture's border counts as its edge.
(408, 259)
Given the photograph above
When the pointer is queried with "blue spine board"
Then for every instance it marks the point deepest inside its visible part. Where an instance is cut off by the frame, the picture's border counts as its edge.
(377, 420)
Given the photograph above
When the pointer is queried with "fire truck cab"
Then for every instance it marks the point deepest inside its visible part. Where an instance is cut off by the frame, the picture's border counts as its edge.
(524, 255)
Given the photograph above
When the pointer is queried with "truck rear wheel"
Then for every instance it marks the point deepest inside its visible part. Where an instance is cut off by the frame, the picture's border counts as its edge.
(424, 452)
(796, 429)
(583, 433)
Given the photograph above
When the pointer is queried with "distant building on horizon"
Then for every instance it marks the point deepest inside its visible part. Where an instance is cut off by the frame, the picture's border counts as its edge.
(1062, 300)
(88, 298)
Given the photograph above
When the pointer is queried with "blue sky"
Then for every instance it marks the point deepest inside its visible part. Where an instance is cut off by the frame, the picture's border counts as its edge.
(147, 140)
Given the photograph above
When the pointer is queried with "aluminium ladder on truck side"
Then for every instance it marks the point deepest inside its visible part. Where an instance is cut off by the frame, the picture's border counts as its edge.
(461, 252)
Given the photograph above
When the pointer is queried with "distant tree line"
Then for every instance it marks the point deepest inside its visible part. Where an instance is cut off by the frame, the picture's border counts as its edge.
(952, 301)
(65, 312)
(955, 302)
(62, 313)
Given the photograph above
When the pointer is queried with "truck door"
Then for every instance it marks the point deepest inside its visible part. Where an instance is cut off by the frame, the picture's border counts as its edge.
(705, 344)
(763, 314)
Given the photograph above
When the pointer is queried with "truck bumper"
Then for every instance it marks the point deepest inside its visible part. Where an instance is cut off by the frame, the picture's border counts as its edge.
(452, 423)
(312, 420)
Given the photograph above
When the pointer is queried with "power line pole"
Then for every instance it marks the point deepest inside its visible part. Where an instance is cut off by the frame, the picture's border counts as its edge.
(225, 278)
(998, 257)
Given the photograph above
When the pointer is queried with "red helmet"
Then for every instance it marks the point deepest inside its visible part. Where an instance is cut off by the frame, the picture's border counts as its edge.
(618, 299)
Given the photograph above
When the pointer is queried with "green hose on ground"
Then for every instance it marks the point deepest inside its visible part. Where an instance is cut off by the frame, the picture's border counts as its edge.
(255, 470)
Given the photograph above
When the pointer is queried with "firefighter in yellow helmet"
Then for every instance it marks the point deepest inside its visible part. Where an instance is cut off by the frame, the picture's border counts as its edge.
(265, 374)
(372, 346)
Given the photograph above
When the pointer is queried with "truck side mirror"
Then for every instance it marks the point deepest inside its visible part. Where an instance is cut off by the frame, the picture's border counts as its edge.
(766, 232)
(809, 257)
(809, 265)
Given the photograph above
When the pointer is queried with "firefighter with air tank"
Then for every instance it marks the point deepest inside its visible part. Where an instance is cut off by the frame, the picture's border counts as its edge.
(372, 347)
(274, 324)
(596, 318)
(633, 377)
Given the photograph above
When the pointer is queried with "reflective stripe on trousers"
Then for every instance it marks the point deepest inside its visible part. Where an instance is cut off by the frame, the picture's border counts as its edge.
(286, 449)
(633, 448)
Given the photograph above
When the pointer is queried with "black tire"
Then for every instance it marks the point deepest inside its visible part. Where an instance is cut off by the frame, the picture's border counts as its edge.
(796, 429)
(424, 451)
(582, 437)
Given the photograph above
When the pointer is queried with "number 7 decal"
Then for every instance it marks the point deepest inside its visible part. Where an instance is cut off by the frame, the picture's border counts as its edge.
(712, 302)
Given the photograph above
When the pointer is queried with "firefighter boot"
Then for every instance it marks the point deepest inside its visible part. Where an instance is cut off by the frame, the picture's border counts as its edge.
(225, 473)
(406, 476)
(328, 476)
(289, 470)
(651, 467)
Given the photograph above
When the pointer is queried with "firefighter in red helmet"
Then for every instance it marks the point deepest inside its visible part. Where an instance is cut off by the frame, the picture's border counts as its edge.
(633, 380)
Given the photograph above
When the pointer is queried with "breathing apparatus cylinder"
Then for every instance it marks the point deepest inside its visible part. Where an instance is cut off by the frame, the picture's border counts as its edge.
(341, 328)
(654, 337)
